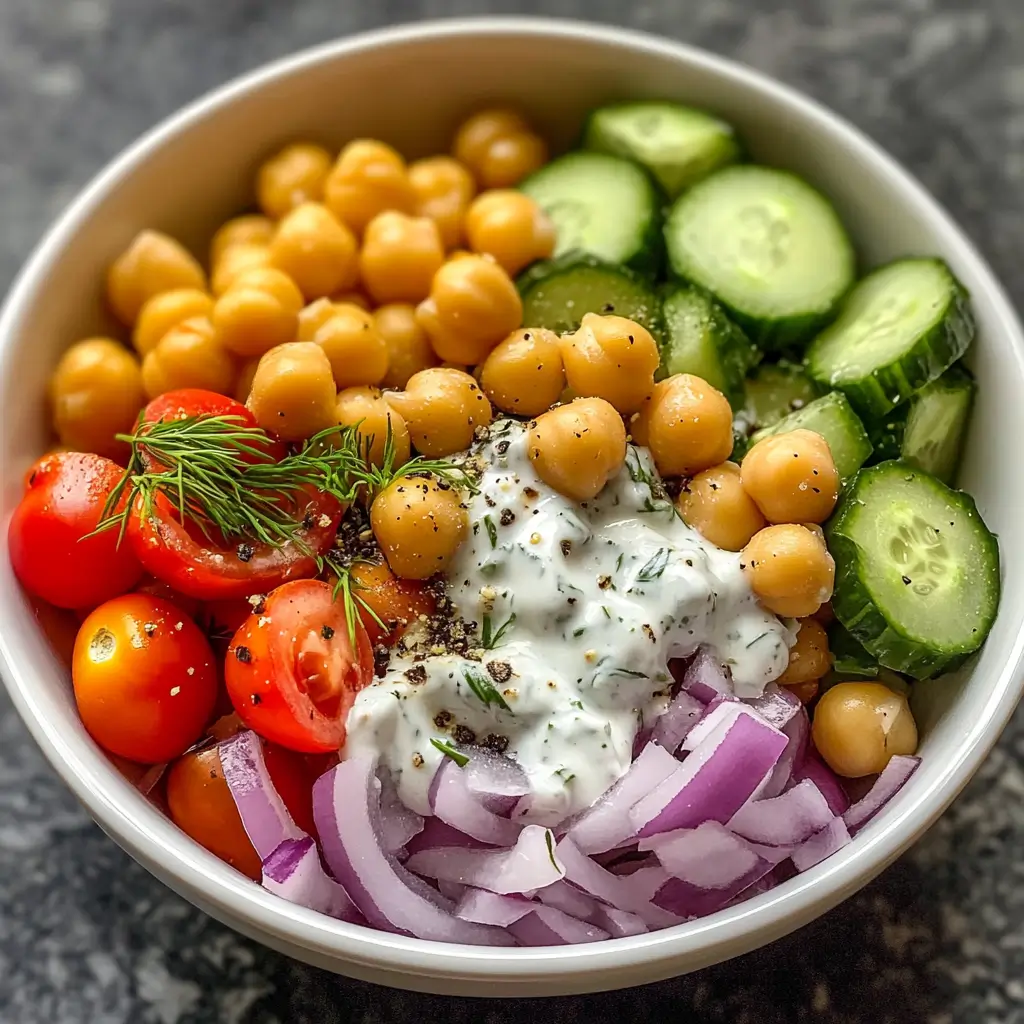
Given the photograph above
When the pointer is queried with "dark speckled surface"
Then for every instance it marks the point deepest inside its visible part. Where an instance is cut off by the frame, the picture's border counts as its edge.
(87, 937)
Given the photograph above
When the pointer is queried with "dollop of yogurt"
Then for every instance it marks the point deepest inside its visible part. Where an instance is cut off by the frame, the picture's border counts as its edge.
(580, 606)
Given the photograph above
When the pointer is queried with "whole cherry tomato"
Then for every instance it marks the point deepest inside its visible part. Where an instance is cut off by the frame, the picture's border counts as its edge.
(51, 550)
(396, 602)
(145, 678)
(293, 672)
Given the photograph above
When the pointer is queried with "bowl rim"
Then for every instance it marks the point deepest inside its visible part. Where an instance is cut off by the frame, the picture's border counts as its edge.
(225, 893)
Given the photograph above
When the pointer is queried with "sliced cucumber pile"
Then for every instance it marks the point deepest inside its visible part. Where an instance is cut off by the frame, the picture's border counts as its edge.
(768, 246)
(833, 418)
(700, 339)
(557, 293)
(774, 390)
(929, 430)
(677, 145)
(601, 205)
(899, 329)
(917, 570)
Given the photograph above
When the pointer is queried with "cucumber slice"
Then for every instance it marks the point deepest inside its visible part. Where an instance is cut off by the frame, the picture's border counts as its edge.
(677, 145)
(929, 430)
(768, 246)
(601, 205)
(917, 571)
(700, 339)
(775, 390)
(833, 418)
(556, 294)
(899, 328)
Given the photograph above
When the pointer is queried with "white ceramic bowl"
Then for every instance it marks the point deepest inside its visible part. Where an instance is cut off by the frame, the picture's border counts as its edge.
(410, 86)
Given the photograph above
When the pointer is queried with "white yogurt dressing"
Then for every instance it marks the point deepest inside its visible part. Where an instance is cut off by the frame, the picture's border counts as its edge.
(591, 599)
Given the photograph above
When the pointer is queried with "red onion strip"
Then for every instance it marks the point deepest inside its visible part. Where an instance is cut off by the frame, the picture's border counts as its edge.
(294, 872)
(784, 820)
(452, 802)
(886, 786)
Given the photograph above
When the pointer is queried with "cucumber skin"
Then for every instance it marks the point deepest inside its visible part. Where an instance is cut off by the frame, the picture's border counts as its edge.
(855, 609)
(782, 368)
(935, 352)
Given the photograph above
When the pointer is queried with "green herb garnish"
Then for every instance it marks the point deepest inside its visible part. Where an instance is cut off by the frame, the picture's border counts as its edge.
(484, 689)
(654, 567)
(449, 751)
(492, 531)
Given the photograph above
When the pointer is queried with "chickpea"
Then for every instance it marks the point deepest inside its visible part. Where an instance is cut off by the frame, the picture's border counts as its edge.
(409, 348)
(789, 568)
(259, 310)
(368, 178)
(443, 189)
(716, 506)
(511, 227)
(578, 448)
(293, 391)
(292, 176)
(235, 260)
(858, 727)
(353, 346)
(315, 250)
(365, 409)
(313, 317)
(524, 374)
(809, 657)
(473, 304)
(189, 356)
(400, 256)
(442, 408)
(249, 229)
(613, 358)
(96, 392)
(686, 423)
(499, 148)
(805, 692)
(792, 477)
(419, 524)
(167, 310)
(152, 263)
(351, 297)
(243, 387)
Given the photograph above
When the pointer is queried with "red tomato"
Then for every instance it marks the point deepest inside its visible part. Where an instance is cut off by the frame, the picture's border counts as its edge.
(194, 565)
(145, 678)
(291, 671)
(157, 588)
(50, 551)
(396, 602)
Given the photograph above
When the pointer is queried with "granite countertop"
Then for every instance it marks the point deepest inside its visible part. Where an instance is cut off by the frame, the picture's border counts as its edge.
(88, 937)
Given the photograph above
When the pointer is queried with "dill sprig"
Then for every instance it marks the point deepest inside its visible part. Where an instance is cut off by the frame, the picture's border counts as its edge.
(347, 588)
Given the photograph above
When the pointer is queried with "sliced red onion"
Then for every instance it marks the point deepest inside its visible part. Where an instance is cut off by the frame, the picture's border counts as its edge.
(619, 923)
(886, 786)
(398, 823)
(150, 777)
(266, 819)
(294, 872)
(437, 834)
(452, 802)
(823, 844)
(495, 780)
(450, 890)
(720, 709)
(531, 864)
(346, 808)
(777, 705)
(715, 780)
(812, 767)
(566, 897)
(647, 879)
(705, 678)
(784, 820)
(679, 718)
(607, 823)
(483, 907)
(546, 926)
(798, 732)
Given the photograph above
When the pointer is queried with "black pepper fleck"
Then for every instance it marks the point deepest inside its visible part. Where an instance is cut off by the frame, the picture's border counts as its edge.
(243, 654)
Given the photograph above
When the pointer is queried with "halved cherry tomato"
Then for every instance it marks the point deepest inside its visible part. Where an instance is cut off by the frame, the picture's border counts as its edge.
(195, 566)
(201, 804)
(396, 602)
(145, 678)
(291, 671)
(51, 552)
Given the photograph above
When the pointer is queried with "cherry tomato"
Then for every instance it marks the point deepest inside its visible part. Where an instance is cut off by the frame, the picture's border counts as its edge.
(201, 804)
(144, 677)
(396, 602)
(157, 588)
(192, 564)
(292, 672)
(51, 552)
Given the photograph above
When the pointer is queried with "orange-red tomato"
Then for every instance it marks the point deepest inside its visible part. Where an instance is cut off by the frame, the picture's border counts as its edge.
(396, 602)
(144, 678)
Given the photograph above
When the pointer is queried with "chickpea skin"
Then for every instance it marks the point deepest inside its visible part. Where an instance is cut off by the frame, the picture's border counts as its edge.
(613, 358)
(353, 345)
(859, 727)
(511, 227)
(578, 448)
(292, 176)
(235, 260)
(792, 477)
(400, 256)
(789, 569)
(243, 386)
(443, 188)
(809, 657)
(189, 356)
(409, 348)
(167, 310)
(715, 504)
(314, 316)
(259, 310)
(249, 229)
(365, 409)
(473, 305)
(152, 263)
(419, 524)
(499, 148)
(524, 374)
(368, 178)
(293, 391)
(442, 408)
(316, 251)
(96, 392)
